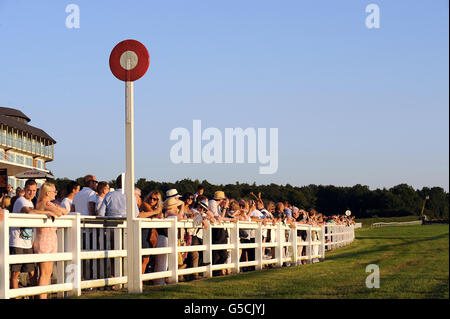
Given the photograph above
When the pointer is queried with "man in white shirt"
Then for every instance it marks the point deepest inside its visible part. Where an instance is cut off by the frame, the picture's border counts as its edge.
(81, 199)
(72, 189)
(21, 239)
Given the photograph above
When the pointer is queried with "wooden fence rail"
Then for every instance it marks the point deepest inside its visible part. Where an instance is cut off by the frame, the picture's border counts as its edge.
(92, 251)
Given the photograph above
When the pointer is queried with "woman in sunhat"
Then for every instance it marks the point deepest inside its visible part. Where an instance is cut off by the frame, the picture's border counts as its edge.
(173, 207)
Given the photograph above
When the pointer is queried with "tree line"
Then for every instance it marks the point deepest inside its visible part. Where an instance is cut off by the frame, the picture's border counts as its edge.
(400, 200)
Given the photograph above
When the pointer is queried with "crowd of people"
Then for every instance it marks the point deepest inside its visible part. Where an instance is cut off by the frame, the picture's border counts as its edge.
(98, 199)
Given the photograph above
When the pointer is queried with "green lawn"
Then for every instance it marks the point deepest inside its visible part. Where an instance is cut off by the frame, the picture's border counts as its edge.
(413, 263)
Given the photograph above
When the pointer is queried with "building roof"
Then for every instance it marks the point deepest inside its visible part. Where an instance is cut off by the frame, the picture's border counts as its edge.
(13, 112)
(6, 119)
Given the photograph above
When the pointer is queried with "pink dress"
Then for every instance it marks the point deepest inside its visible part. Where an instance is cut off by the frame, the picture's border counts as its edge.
(46, 241)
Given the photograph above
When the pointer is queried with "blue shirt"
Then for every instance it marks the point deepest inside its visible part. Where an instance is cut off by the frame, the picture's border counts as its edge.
(115, 205)
(288, 212)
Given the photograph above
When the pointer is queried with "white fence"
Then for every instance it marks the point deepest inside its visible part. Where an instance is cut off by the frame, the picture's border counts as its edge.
(382, 224)
(92, 251)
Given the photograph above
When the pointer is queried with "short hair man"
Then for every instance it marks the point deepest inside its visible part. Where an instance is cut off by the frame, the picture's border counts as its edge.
(72, 189)
(20, 239)
(115, 203)
(87, 194)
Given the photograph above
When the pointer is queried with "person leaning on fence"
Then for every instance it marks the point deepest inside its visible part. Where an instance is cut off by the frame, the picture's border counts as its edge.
(200, 217)
(46, 241)
(219, 235)
(185, 235)
(172, 207)
(151, 207)
(20, 239)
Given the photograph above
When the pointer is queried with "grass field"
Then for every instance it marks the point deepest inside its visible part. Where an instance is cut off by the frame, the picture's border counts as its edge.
(413, 263)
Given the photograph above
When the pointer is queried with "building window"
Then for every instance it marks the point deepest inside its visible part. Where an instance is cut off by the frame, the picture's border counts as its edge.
(20, 159)
(12, 182)
(10, 157)
(3, 137)
(8, 139)
(29, 161)
(20, 143)
(39, 164)
(2, 154)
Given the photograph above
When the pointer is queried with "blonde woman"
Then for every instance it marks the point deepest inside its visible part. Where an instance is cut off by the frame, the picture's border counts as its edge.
(46, 241)
(151, 207)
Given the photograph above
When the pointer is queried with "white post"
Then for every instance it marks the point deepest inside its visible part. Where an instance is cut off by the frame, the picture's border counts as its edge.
(60, 264)
(280, 241)
(310, 247)
(234, 239)
(4, 253)
(73, 269)
(294, 244)
(118, 269)
(134, 262)
(207, 254)
(259, 250)
(322, 239)
(172, 238)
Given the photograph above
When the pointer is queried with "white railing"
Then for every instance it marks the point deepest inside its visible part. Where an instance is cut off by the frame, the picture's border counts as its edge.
(382, 224)
(92, 251)
(338, 235)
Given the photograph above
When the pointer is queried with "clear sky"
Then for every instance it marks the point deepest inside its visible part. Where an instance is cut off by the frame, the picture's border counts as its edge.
(352, 105)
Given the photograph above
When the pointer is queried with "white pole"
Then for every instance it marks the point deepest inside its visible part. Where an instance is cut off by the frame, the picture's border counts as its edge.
(134, 265)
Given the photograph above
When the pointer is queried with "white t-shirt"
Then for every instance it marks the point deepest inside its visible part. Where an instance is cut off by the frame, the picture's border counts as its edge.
(14, 232)
(66, 203)
(255, 213)
(81, 199)
(214, 207)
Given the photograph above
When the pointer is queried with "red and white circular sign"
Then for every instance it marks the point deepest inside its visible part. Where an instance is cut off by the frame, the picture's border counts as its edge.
(129, 60)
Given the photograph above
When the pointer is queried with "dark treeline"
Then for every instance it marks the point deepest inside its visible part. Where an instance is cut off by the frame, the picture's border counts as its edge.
(400, 200)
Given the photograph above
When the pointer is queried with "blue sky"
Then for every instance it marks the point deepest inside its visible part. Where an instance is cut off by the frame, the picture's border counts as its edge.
(352, 105)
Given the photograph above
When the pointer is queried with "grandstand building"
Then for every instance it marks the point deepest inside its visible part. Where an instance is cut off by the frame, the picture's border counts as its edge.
(22, 147)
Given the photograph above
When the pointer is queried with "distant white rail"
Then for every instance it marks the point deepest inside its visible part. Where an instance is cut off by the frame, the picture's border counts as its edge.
(382, 224)
(92, 251)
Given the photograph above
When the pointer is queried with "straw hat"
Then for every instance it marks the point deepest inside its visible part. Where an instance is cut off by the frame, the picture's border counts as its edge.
(172, 202)
(172, 193)
(219, 195)
(204, 204)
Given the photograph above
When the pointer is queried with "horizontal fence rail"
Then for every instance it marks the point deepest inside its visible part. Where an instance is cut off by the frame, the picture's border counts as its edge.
(382, 224)
(93, 251)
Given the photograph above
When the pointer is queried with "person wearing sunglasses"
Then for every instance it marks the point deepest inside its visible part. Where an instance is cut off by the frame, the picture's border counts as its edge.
(150, 207)
(46, 241)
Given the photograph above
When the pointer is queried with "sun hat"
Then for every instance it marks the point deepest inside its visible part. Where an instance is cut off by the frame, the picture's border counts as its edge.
(172, 193)
(219, 195)
(172, 202)
(203, 204)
